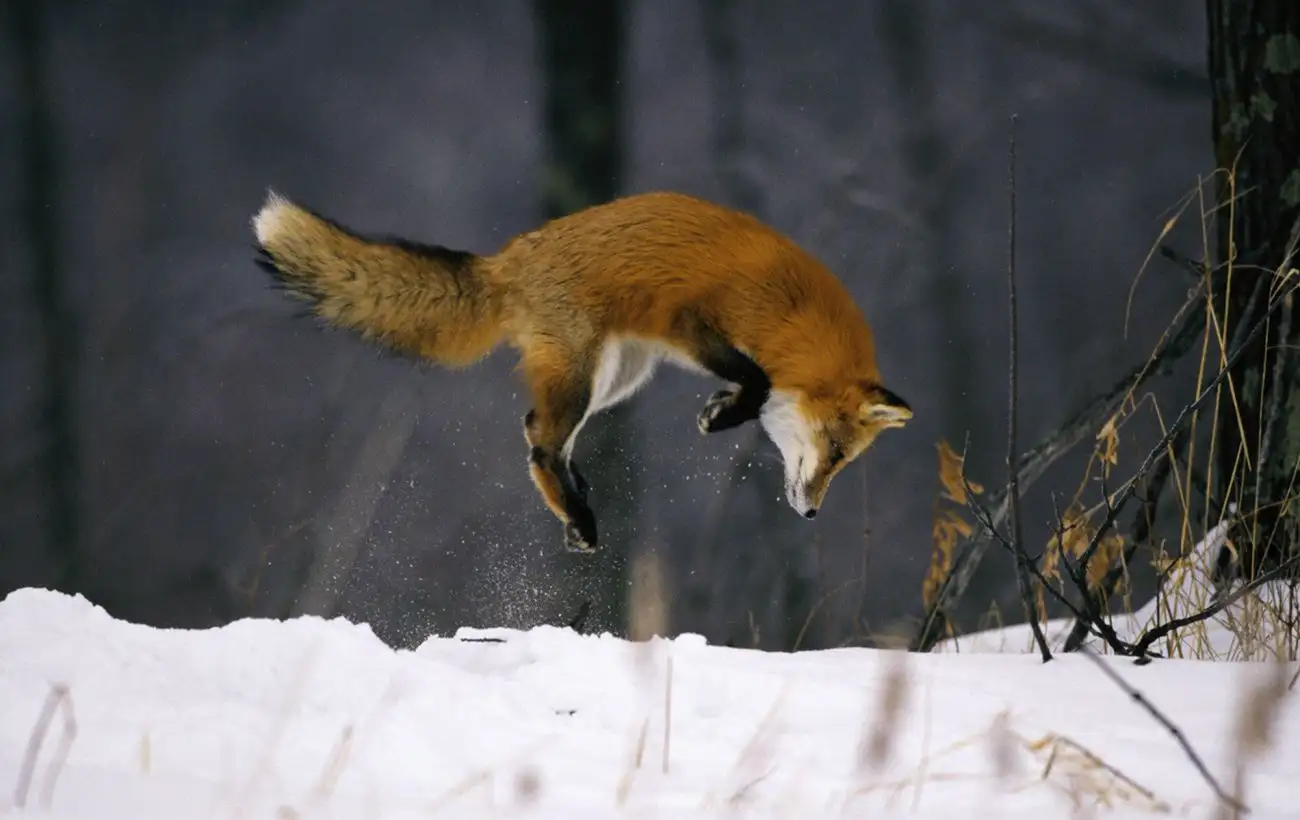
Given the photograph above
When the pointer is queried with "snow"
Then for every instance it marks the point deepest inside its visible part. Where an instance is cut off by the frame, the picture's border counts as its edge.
(316, 718)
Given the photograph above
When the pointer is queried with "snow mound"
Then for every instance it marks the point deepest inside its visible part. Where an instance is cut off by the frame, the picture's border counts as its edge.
(318, 718)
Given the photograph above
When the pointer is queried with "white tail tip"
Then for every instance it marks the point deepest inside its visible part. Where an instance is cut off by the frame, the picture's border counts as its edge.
(267, 222)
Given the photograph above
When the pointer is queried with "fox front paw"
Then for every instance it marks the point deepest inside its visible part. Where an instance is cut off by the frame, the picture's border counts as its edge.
(580, 530)
(719, 412)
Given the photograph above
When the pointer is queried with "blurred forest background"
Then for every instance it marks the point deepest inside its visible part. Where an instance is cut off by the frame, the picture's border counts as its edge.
(180, 448)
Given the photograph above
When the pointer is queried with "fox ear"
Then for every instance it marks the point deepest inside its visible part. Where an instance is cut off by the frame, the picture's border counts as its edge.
(884, 407)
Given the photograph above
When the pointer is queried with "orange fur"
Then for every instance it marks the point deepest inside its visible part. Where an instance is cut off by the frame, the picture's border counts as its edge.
(592, 300)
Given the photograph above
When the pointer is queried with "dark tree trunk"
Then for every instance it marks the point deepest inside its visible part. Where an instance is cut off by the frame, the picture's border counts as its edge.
(1254, 61)
(581, 47)
(59, 336)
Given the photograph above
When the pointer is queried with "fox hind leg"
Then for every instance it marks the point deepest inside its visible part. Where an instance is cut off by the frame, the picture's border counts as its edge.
(579, 482)
(561, 395)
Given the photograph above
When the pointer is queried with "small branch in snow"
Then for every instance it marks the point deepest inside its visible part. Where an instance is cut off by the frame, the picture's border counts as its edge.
(579, 620)
(1169, 726)
(1013, 475)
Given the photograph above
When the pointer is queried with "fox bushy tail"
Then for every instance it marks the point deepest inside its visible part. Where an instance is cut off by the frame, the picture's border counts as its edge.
(422, 300)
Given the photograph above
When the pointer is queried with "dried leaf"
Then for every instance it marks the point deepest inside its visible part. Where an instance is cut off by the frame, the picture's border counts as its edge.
(951, 469)
(948, 527)
(1108, 439)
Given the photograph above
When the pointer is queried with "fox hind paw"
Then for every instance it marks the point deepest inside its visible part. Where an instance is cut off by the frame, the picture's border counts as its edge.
(575, 541)
(579, 482)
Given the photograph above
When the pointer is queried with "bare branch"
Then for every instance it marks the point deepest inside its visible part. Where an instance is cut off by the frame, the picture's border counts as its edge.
(1099, 626)
(1158, 631)
(1140, 534)
(1169, 725)
(1013, 477)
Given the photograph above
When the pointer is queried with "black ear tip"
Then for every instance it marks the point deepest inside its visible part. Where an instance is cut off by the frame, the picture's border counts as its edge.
(892, 399)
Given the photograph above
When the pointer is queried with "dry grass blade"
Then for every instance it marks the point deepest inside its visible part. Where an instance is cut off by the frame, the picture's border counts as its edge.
(335, 765)
(1256, 724)
(1157, 632)
(638, 755)
(483, 775)
(878, 735)
(1088, 778)
(57, 762)
(948, 526)
(1002, 747)
(751, 766)
(54, 699)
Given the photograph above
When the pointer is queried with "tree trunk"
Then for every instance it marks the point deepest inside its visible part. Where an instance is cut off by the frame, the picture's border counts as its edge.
(59, 332)
(1254, 61)
(581, 47)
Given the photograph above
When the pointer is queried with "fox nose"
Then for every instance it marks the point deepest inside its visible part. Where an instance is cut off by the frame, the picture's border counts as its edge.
(810, 513)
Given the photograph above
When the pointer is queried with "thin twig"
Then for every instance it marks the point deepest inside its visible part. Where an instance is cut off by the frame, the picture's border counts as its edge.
(1013, 475)
(1099, 626)
(1168, 724)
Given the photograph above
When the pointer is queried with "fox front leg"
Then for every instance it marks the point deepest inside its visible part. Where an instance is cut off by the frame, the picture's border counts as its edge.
(732, 406)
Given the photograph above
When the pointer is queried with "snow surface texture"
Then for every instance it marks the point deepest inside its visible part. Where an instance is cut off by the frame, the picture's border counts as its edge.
(314, 718)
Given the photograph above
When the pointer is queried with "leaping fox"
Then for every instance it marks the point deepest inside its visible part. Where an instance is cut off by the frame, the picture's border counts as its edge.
(593, 301)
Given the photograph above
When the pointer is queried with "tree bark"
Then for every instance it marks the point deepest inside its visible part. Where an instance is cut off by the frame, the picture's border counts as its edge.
(1254, 62)
(581, 48)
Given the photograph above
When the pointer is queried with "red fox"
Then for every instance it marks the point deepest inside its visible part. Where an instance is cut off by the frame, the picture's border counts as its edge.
(593, 301)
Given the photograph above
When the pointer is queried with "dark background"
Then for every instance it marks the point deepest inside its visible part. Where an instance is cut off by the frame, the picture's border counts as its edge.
(231, 460)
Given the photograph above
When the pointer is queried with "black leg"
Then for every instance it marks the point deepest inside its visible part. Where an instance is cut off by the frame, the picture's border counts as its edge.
(733, 406)
(579, 483)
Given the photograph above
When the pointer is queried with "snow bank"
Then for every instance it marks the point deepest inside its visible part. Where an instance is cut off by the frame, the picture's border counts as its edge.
(314, 718)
